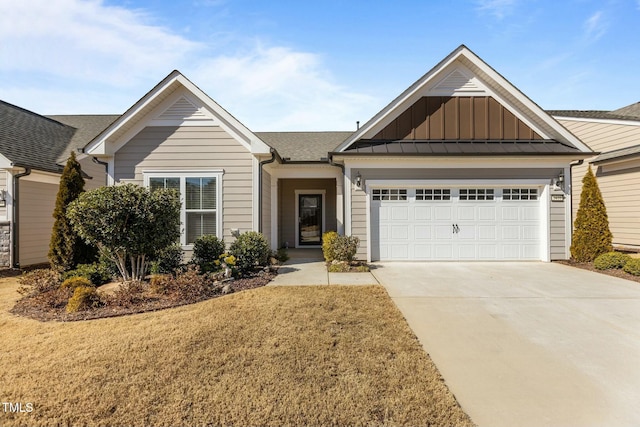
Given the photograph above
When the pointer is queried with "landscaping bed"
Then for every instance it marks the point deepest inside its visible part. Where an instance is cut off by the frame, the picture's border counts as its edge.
(611, 272)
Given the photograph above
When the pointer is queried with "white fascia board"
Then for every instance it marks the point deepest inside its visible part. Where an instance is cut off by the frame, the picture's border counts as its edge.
(5, 163)
(453, 183)
(602, 121)
(305, 171)
(42, 177)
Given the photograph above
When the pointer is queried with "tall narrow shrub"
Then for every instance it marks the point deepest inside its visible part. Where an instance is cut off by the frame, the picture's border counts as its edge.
(66, 248)
(591, 234)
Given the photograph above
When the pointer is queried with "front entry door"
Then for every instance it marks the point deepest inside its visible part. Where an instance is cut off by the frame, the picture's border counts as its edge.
(310, 219)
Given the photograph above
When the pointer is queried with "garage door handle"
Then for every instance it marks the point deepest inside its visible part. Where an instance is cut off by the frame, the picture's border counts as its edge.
(456, 229)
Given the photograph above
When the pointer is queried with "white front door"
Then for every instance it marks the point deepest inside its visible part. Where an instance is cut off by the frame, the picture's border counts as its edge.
(456, 224)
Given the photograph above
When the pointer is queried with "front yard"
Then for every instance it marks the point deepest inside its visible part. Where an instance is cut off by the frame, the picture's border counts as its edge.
(269, 356)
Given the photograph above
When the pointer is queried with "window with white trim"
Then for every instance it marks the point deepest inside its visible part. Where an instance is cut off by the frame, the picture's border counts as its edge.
(476, 194)
(519, 194)
(433, 194)
(200, 201)
(389, 194)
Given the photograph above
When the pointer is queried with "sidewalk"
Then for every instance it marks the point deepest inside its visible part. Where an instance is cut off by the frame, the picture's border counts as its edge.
(305, 267)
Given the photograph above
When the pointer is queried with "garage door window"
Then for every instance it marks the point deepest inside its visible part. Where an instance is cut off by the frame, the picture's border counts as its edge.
(433, 194)
(519, 194)
(390, 194)
(476, 194)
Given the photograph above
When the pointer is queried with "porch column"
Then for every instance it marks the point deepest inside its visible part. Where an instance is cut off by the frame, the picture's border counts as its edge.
(340, 204)
(275, 236)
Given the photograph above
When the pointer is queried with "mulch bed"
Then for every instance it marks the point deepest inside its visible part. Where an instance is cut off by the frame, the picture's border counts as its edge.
(33, 308)
(589, 266)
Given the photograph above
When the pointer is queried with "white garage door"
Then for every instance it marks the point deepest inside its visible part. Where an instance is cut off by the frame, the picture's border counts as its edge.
(455, 224)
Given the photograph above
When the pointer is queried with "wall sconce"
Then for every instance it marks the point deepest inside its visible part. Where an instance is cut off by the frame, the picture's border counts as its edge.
(358, 180)
(3, 198)
(558, 182)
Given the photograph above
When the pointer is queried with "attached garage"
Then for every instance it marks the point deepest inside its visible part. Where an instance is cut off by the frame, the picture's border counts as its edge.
(468, 222)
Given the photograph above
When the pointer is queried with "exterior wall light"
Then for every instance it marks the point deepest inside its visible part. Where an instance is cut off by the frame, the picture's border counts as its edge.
(358, 180)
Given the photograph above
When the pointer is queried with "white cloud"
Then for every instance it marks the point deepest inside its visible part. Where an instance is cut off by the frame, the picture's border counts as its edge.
(75, 56)
(498, 8)
(281, 89)
(596, 26)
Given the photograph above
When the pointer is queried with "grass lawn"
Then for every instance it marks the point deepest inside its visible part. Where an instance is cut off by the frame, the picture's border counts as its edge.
(268, 356)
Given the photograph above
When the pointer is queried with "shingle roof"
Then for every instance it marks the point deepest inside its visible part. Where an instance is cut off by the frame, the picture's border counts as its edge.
(303, 146)
(618, 154)
(30, 140)
(460, 147)
(88, 127)
(630, 112)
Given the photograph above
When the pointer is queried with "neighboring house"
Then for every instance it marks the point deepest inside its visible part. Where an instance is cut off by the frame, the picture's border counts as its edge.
(460, 166)
(616, 136)
(33, 151)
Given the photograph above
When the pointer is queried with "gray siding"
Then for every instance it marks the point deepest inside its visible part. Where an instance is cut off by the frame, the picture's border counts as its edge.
(287, 215)
(194, 148)
(37, 201)
(557, 224)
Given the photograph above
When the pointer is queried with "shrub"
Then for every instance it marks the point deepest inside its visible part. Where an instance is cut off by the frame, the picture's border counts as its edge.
(281, 255)
(97, 273)
(76, 282)
(206, 251)
(339, 267)
(633, 266)
(345, 247)
(84, 298)
(66, 248)
(327, 245)
(250, 249)
(168, 260)
(187, 286)
(591, 234)
(129, 294)
(611, 260)
(38, 281)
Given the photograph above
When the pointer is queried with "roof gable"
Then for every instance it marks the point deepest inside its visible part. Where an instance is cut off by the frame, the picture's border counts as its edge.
(463, 74)
(175, 101)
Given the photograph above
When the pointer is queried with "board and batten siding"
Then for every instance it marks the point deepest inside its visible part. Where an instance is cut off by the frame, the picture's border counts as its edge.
(37, 202)
(557, 224)
(619, 185)
(194, 148)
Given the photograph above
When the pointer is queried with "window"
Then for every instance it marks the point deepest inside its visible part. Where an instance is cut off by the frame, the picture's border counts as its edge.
(199, 199)
(519, 194)
(476, 194)
(433, 194)
(390, 194)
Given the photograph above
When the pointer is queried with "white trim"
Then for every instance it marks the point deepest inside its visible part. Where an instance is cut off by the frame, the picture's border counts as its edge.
(545, 223)
(111, 165)
(629, 122)
(275, 235)
(323, 193)
(619, 164)
(340, 204)
(216, 173)
(347, 200)
(43, 177)
(5, 163)
(255, 199)
(321, 171)
(568, 211)
(368, 224)
(453, 163)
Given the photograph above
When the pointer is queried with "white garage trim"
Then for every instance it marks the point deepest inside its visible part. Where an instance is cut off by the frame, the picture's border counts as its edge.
(543, 201)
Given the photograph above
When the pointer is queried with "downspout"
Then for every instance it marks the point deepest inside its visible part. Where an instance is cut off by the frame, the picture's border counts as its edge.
(106, 168)
(15, 258)
(260, 165)
(344, 190)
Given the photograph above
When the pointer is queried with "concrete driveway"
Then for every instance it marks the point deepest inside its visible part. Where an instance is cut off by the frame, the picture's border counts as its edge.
(527, 344)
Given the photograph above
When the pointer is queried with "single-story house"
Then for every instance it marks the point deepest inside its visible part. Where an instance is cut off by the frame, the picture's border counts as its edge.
(616, 136)
(460, 166)
(33, 152)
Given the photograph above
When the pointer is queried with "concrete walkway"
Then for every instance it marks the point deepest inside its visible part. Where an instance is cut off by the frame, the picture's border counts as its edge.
(526, 344)
(306, 267)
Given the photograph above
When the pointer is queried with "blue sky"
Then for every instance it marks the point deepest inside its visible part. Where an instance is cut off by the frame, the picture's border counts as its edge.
(310, 65)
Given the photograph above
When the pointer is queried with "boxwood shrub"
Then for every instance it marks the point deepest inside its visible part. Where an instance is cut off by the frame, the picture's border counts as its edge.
(633, 266)
(251, 249)
(611, 260)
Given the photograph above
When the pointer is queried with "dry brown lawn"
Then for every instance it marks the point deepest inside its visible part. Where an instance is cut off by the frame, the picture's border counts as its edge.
(269, 356)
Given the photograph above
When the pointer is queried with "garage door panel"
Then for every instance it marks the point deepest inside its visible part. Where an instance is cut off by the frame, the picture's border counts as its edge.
(453, 229)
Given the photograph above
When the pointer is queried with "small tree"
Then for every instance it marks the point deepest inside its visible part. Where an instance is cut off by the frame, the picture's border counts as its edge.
(66, 248)
(591, 234)
(128, 223)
